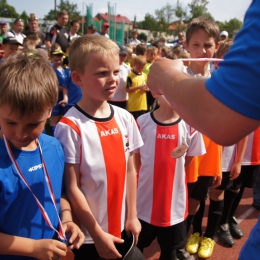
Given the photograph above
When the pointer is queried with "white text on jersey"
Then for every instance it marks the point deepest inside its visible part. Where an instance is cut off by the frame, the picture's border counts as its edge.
(165, 136)
(109, 132)
(36, 167)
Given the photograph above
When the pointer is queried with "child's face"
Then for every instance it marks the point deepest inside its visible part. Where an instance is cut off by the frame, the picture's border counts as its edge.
(100, 78)
(151, 55)
(138, 68)
(201, 45)
(22, 131)
(57, 61)
(10, 49)
(122, 58)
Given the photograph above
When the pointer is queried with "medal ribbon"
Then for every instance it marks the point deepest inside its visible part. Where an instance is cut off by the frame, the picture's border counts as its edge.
(60, 233)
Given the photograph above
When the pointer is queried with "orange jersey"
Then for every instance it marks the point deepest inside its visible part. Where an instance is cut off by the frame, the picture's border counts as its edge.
(208, 164)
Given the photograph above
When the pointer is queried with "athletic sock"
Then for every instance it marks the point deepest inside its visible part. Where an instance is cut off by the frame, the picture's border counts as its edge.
(197, 221)
(214, 216)
(168, 255)
(236, 202)
(229, 197)
(189, 222)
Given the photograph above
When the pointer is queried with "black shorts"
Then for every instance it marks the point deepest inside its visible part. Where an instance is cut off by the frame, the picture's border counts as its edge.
(199, 190)
(86, 252)
(169, 238)
(89, 251)
(136, 114)
(247, 177)
(226, 183)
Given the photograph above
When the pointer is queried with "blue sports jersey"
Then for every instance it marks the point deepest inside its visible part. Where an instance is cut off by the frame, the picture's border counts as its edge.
(236, 82)
(19, 213)
(74, 92)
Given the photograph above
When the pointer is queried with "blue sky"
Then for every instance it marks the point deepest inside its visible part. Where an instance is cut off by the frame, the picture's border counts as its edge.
(221, 10)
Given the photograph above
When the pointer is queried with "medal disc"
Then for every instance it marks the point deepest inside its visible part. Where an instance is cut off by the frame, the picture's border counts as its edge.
(69, 255)
(179, 151)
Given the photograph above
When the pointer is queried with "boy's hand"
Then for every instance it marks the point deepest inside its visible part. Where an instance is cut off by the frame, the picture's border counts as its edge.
(106, 247)
(76, 236)
(133, 226)
(49, 249)
(235, 171)
(63, 102)
(216, 182)
(145, 88)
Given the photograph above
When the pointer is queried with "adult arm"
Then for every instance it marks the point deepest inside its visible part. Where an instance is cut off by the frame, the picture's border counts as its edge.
(226, 106)
(196, 105)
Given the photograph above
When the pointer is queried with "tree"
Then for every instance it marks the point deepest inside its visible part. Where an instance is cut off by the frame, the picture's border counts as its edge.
(7, 10)
(180, 12)
(149, 23)
(71, 8)
(199, 8)
(233, 25)
(25, 17)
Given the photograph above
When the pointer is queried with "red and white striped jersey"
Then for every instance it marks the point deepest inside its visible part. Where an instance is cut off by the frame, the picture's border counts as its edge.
(101, 146)
(162, 191)
(252, 153)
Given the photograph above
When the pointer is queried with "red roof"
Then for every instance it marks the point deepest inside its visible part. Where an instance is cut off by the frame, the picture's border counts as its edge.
(119, 18)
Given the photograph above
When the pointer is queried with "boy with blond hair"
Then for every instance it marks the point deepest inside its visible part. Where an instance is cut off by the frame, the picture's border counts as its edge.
(98, 140)
(136, 87)
(34, 213)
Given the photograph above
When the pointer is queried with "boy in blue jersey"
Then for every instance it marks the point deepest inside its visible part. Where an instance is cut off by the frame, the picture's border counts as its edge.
(56, 56)
(34, 215)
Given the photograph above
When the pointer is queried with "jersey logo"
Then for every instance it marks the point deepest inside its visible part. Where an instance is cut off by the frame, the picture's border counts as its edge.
(36, 167)
(113, 131)
(126, 143)
(165, 136)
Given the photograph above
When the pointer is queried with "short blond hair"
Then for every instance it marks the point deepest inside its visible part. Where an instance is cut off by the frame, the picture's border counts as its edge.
(28, 84)
(140, 59)
(88, 44)
(223, 47)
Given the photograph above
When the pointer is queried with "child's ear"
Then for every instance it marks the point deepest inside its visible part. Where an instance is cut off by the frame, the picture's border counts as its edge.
(76, 77)
(217, 46)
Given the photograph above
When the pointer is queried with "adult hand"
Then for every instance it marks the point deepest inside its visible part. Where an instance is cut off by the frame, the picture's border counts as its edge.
(159, 74)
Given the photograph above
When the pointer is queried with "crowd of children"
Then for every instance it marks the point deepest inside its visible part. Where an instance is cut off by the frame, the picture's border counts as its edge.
(122, 159)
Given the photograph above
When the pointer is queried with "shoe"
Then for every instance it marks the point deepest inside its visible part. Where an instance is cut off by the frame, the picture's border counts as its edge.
(206, 247)
(224, 235)
(256, 206)
(182, 254)
(193, 243)
(234, 228)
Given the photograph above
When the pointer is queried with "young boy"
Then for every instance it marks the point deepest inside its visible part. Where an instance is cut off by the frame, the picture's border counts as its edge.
(10, 46)
(98, 140)
(120, 98)
(202, 42)
(29, 205)
(56, 56)
(150, 58)
(162, 191)
(137, 88)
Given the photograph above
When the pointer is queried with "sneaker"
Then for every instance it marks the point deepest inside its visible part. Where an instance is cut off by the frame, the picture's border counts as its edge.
(234, 228)
(206, 247)
(224, 235)
(193, 243)
(182, 254)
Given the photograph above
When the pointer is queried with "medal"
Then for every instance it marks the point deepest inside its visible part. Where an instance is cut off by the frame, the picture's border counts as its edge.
(179, 151)
(69, 255)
